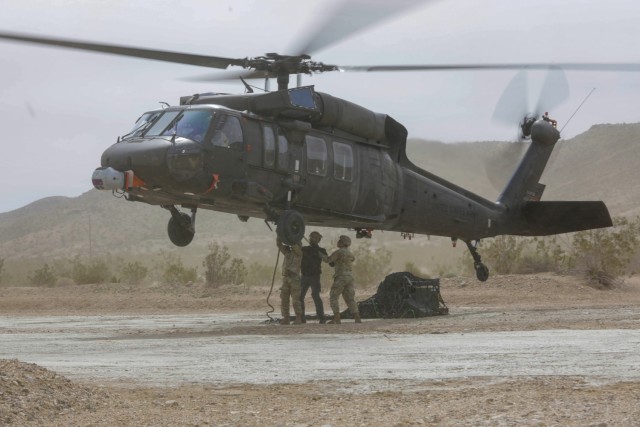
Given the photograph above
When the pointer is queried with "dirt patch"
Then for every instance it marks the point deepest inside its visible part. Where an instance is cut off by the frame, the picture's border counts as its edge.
(31, 395)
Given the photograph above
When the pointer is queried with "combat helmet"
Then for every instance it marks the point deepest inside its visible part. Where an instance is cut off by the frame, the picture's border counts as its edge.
(345, 240)
(315, 234)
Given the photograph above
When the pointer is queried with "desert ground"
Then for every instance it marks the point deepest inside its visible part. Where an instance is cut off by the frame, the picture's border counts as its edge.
(600, 391)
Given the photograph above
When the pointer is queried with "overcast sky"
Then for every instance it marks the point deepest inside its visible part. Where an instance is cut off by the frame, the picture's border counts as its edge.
(59, 109)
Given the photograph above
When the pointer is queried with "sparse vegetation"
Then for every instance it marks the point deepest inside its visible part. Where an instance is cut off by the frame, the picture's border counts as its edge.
(606, 253)
(172, 270)
(44, 276)
(504, 253)
(601, 255)
(133, 273)
(217, 272)
(371, 265)
(95, 271)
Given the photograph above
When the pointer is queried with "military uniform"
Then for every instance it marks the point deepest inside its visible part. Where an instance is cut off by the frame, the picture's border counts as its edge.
(342, 260)
(312, 257)
(290, 290)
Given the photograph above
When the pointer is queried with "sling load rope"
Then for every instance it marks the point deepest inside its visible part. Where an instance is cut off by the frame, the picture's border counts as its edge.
(273, 279)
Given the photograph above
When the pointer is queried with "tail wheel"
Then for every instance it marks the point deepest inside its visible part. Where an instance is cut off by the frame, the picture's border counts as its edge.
(180, 230)
(290, 227)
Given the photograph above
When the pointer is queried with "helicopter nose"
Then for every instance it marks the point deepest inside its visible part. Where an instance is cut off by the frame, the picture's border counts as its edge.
(147, 158)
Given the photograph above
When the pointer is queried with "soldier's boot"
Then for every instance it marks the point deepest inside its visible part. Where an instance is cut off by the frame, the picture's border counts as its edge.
(322, 319)
(336, 319)
(357, 318)
(298, 320)
(303, 318)
(285, 320)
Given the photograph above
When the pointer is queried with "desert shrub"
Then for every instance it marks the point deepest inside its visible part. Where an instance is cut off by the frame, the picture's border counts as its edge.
(503, 253)
(170, 269)
(217, 272)
(176, 272)
(606, 252)
(44, 276)
(371, 265)
(133, 273)
(543, 254)
(96, 271)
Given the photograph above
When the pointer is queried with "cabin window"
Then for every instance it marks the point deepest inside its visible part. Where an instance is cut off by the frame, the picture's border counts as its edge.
(316, 155)
(283, 152)
(342, 161)
(228, 133)
(163, 123)
(269, 141)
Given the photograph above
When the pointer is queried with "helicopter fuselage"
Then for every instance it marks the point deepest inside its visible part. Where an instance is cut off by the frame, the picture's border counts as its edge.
(240, 162)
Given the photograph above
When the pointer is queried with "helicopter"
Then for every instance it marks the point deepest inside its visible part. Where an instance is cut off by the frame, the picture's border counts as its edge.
(296, 157)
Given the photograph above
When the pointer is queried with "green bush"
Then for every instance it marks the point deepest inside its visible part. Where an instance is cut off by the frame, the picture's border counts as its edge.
(543, 254)
(503, 253)
(96, 271)
(44, 276)
(217, 272)
(133, 273)
(170, 269)
(176, 272)
(606, 252)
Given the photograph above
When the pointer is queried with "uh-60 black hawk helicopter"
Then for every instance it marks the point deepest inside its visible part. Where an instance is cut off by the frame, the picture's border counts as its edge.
(296, 156)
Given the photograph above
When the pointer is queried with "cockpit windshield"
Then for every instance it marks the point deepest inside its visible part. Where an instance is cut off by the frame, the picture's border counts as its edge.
(190, 124)
(142, 123)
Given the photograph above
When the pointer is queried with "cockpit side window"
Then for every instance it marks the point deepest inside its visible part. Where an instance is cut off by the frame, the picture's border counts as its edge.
(228, 133)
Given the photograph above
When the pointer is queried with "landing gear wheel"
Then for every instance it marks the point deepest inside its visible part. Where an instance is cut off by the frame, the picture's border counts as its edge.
(482, 272)
(290, 227)
(180, 230)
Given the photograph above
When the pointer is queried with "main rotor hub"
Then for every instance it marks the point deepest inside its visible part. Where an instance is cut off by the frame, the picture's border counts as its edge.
(275, 64)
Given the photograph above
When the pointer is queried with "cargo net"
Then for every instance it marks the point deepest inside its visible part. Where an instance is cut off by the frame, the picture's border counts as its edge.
(403, 295)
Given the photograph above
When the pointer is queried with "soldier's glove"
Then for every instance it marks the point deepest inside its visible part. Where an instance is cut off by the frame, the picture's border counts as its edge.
(332, 264)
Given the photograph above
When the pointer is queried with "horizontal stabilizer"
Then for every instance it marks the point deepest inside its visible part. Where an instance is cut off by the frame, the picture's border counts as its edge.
(546, 218)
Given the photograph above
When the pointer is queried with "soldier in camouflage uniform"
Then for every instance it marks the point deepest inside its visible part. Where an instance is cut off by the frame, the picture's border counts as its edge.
(290, 290)
(342, 260)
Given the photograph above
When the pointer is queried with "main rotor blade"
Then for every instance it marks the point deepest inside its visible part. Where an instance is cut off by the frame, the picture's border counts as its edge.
(159, 55)
(575, 66)
(230, 75)
(349, 17)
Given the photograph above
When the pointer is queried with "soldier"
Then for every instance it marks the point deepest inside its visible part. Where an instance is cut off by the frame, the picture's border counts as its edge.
(342, 260)
(290, 289)
(312, 257)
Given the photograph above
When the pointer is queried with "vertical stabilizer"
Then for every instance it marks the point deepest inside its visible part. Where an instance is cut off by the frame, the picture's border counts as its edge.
(524, 183)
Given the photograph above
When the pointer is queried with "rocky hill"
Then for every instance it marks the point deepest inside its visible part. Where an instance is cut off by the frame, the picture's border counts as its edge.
(600, 164)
